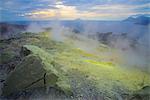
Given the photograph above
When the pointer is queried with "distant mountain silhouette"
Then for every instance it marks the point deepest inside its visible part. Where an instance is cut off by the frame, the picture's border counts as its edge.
(8, 30)
(139, 19)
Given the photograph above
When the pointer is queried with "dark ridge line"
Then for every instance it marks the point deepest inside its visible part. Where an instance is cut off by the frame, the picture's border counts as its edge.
(16, 38)
(45, 80)
(38, 81)
(34, 82)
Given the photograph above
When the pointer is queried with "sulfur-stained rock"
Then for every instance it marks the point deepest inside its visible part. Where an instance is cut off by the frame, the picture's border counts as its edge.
(35, 70)
(27, 72)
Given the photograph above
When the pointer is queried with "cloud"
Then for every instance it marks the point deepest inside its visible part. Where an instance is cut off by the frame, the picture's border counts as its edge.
(72, 9)
(62, 12)
(120, 10)
(103, 2)
(107, 11)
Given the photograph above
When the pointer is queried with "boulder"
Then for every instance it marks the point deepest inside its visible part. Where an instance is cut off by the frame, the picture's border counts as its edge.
(37, 69)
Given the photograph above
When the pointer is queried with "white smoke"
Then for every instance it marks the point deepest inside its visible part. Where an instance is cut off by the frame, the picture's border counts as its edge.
(123, 52)
(34, 28)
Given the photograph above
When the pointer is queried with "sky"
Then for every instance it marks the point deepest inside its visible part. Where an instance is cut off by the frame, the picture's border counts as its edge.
(18, 10)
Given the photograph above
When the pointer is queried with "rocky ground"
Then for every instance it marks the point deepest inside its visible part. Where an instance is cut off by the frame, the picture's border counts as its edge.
(102, 81)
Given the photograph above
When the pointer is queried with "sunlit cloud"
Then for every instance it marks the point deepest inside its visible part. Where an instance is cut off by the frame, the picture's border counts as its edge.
(61, 12)
(116, 11)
